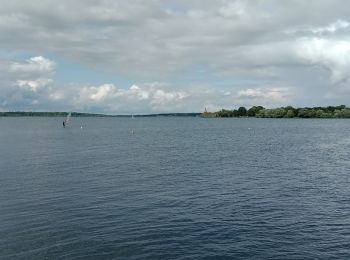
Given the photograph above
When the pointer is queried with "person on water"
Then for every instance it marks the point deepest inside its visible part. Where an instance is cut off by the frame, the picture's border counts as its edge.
(64, 123)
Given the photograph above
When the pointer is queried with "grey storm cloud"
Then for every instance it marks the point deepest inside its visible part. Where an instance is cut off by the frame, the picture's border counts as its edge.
(300, 49)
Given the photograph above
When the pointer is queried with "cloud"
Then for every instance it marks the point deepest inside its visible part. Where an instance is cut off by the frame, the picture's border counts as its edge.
(26, 85)
(151, 97)
(33, 85)
(27, 91)
(234, 9)
(332, 28)
(37, 64)
(331, 54)
(160, 97)
(272, 94)
(98, 93)
(154, 38)
(33, 74)
(214, 53)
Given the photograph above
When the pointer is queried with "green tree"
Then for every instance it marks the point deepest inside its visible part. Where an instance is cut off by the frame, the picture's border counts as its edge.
(261, 113)
(242, 111)
(303, 113)
(290, 113)
(224, 113)
(253, 111)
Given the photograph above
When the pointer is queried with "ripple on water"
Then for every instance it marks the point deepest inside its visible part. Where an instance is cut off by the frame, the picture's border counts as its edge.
(179, 188)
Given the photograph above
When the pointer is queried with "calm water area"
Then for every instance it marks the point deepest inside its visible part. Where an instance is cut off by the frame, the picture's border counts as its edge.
(174, 188)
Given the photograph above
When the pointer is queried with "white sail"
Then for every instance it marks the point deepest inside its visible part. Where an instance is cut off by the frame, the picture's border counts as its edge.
(66, 121)
(68, 117)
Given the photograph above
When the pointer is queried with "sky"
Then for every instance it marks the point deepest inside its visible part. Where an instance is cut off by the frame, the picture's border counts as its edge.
(161, 56)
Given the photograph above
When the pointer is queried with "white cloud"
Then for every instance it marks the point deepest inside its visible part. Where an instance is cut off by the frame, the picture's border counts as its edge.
(332, 28)
(27, 85)
(278, 95)
(139, 93)
(153, 97)
(56, 96)
(98, 93)
(44, 93)
(158, 98)
(334, 55)
(161, 97)
(33, 85)
(37, 64)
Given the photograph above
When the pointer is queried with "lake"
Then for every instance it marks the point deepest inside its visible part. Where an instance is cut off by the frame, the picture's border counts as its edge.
(174, 188)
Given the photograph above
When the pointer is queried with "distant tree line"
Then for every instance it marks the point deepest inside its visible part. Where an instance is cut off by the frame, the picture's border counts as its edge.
(288, 112)
(171, 114)
(58, 114)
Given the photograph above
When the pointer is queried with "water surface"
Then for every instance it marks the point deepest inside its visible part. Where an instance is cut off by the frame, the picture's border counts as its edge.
(178, 188)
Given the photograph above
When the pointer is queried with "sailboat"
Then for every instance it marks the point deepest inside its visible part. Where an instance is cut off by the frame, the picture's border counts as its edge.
(66, 121)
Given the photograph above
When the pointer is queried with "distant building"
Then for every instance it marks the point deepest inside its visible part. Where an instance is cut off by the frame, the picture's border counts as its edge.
(207, 114)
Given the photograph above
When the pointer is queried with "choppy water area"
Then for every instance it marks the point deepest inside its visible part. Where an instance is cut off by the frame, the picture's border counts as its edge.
(175, 188)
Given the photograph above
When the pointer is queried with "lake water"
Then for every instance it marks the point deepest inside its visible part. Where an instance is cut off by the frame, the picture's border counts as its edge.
(178, 188)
